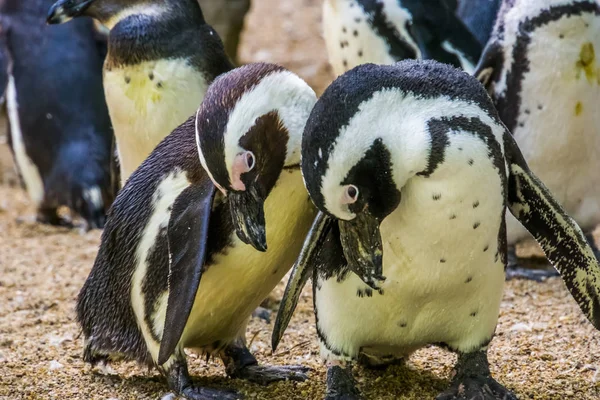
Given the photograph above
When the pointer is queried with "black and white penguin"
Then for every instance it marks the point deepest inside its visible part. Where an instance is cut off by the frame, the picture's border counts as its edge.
(479, 16)
(415, 167)
(173, 271)
(162, 56)
(386, 31)
(58, 122)
(541, 70)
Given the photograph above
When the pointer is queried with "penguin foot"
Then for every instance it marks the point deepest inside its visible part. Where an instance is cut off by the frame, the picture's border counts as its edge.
(180, 383)
(341, 385)
(473, 380)
(514, 270)
(240, 363)
(49, 216)
(262, 313)
(264, 375)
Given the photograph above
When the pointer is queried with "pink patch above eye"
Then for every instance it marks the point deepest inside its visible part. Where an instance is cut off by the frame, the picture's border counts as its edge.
(350, 195)
(241, 165)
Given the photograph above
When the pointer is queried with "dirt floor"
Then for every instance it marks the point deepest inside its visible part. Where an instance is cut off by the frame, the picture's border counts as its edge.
(544, 348)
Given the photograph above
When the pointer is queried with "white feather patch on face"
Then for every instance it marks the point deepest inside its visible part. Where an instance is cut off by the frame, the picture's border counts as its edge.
(153, 9)
(168, 190)
(283, 92)
(28, 170)
(400, 120)
(466, 65)
(203, 160)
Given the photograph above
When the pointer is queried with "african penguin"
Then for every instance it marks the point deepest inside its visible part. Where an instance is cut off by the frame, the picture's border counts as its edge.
(173, 271)
(162, 56)
(58, 122)
(541, 70)
(412, 171)
(386, 31)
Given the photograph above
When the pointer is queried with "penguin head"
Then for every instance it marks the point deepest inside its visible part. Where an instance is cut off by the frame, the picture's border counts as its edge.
(108, 12)
(248, 129)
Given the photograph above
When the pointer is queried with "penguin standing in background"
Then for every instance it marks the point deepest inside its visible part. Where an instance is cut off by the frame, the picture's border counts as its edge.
(58, 122)
(542, 72)
(162, 56)
(174, 270)
(385, 31)
(479, 16)
(412, 171)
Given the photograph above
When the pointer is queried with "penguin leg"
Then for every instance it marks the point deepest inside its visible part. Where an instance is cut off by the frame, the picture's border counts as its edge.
(180, 383)
(516, 270)
(240, 363)
(341, 384)
(49, 216)
(473, 380)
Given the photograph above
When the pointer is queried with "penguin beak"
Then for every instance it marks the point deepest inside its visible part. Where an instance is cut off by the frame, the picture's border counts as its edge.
(248, 217)
(65, 10)
(361, 241)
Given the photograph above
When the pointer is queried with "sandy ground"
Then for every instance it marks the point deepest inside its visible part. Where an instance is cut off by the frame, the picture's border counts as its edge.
(544, 348)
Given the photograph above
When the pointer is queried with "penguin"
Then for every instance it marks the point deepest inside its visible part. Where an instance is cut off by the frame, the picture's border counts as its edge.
(412, 171)
(174, 270)
(541, 71)
(386, 31)
(59, 128)
(162, 56)
(479, 16)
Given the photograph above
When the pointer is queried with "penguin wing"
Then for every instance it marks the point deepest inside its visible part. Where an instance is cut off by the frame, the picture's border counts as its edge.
(490, 64)
(558, 234)
(5, 58)
(322, 249)
(187, 235)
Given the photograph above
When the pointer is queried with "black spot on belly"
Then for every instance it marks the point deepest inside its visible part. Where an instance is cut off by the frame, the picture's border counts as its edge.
(402, 324)
(151, 76)
(471, 161)
(360, 53)
(127, 79)
(474, 313)
(469, 279)
(442, 260)
(527, 112)
(357, 20)
(345, 63)
(159, 85)
(561, 36)
(476, 225)
(436, 196)
(486, 248)
(342, 45)
(351, 5)
(476, 204)
(453, 216)
(540, 107)
(521, 124)
(460, 149)
(344, 29)
(355, 33)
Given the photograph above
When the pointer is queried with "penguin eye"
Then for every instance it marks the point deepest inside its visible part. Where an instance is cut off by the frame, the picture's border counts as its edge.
(250, 160)
(350, 195)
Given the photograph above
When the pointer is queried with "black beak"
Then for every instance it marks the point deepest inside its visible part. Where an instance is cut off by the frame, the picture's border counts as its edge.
(249, 217)
(361, 241)
(64, 10)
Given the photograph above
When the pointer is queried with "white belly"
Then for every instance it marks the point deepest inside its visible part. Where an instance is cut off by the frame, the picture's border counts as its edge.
(559, 120)
(144, 111)
(239, 280)
(444, 278)
(345, 49)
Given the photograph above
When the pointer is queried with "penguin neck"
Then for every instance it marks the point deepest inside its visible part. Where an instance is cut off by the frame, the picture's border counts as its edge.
(159, 11)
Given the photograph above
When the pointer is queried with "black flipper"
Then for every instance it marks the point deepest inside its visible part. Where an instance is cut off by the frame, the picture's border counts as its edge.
(560, 237)
(301, 271)
(187, 235)
(490, 64)
(5, 58)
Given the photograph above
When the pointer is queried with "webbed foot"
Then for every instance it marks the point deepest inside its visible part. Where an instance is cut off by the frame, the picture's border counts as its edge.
(473, 381)
(49, 216)
(200, 393)
(341, 385)
(515, 270)
(240, 363)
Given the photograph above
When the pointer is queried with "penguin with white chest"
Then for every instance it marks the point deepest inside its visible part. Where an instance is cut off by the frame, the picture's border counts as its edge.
(58, 123)
(416, 169)
(542, 72)
(173, 270)
(162, 56)
(386, 31)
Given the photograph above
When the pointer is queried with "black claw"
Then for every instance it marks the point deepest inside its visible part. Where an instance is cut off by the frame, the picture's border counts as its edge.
(181, 384)
(341, 385)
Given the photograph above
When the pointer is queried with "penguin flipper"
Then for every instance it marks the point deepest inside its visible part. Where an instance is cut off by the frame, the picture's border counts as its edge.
(489, 64)
(322, 247)
(187, 235)
(561, 239)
